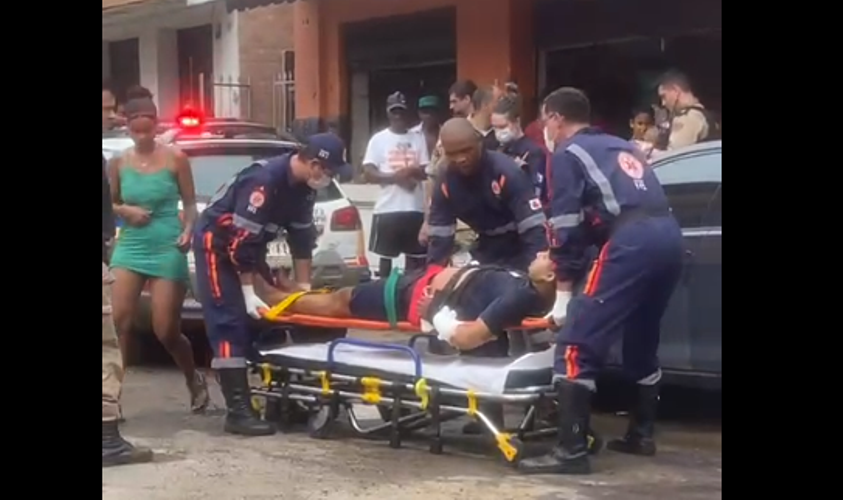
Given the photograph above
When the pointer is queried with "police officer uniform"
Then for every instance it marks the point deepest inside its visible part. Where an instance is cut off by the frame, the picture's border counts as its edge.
(257, 205)
(499, 203)
(689, 125)
(605, 194)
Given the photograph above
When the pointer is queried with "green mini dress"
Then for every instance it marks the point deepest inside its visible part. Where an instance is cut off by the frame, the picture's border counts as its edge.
(151, 250)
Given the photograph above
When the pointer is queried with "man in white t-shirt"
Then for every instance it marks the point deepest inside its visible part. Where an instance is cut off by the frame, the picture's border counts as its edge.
(396, 158)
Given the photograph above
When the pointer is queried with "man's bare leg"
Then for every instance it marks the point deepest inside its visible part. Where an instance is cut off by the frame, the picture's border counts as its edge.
(331, 305)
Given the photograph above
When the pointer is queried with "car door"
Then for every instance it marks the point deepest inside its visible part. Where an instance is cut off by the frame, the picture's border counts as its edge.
(691, 327)
(706, 286)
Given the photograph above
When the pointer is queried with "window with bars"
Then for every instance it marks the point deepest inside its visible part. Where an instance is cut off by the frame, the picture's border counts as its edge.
(284, 93)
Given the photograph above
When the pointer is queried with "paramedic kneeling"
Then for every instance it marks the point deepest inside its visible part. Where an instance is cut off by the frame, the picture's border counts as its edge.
(229, 245)
(604, 194)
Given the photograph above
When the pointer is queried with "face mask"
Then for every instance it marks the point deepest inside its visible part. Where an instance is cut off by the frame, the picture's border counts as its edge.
(548, 141)
(320, 183)
(504, 135)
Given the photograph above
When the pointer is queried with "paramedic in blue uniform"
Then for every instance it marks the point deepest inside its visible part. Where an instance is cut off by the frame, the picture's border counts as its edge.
(262, 201)
(604, 194)
(506, 122)
(490, 193)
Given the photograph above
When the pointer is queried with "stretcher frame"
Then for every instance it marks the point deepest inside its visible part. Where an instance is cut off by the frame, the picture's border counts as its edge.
(405, 406)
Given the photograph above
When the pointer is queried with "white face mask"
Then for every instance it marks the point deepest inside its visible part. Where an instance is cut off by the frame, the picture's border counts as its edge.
(504, 135)
(320, 183)
(548, 141)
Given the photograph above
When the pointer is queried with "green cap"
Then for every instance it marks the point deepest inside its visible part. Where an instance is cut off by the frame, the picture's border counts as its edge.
(429, 101)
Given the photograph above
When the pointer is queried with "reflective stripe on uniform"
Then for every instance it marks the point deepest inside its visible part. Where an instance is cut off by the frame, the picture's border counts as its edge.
(246, 224)
(442, 231)
(497, 231)
(593, 171)
(301, 225)
(567, 220)
(530, 222)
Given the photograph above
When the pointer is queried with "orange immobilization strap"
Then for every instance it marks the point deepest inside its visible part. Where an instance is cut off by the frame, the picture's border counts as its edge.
(363, 324)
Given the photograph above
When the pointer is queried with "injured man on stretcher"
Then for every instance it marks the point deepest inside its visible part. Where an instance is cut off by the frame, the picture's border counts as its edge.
(468, 307)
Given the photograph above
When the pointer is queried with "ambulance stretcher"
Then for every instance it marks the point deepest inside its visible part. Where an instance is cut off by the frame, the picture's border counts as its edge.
(413, 389)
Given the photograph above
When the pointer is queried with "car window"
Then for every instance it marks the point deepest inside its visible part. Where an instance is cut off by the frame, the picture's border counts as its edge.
(213, 167)
(691, 183)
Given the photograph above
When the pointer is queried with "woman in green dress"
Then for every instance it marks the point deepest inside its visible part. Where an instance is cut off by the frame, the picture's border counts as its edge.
(147, 183)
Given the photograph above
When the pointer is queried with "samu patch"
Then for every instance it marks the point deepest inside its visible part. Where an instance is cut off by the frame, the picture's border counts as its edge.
(256, 199)
(535, 204)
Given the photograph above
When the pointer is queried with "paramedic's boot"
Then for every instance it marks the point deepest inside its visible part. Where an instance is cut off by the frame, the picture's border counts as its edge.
(642, 420)
(118, 451)
(495, 413)
(570, 455)
(240, 417)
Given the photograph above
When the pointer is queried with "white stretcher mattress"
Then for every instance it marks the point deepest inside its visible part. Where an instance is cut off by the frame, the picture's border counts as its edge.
(491, 375)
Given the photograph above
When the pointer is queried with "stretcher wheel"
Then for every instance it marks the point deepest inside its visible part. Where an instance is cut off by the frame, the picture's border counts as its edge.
(320, 423)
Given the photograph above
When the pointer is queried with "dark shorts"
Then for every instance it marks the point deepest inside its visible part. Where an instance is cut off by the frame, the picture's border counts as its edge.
(397, 233)
(367, 299)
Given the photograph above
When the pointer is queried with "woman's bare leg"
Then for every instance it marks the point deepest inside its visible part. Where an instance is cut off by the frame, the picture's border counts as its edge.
(166, 303)
(125, 293)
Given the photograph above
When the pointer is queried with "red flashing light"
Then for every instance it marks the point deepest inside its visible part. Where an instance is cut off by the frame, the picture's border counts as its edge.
(189, 119)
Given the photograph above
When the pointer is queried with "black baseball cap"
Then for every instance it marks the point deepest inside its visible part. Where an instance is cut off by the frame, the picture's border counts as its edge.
(396, 100)
(329, 149)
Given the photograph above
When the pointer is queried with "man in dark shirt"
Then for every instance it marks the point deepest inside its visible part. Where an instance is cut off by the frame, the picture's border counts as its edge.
(115, 449)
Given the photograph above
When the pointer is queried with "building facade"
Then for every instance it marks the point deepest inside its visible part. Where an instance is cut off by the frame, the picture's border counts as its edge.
(350, 53)
(198, 54)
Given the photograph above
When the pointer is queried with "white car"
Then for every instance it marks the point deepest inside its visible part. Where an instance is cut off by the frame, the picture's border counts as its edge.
(340, 255)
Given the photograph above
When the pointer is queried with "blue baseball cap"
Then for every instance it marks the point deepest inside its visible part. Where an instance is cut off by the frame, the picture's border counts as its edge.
(329, 149)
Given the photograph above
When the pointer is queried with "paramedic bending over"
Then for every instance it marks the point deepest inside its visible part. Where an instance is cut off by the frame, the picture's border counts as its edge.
(229, 245)
(490, 193)
(604, 194)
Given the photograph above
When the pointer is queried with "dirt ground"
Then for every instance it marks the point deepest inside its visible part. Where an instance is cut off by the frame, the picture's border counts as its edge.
(195, 460)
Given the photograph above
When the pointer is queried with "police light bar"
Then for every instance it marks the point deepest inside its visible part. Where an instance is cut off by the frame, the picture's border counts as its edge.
(189, 119)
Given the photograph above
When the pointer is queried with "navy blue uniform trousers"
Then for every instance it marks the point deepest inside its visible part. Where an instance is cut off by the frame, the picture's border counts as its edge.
(223, 307)
(625, 296)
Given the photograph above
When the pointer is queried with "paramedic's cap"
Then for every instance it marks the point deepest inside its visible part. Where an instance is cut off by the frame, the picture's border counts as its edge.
(429, 101)
(329, 149)
(396, 101)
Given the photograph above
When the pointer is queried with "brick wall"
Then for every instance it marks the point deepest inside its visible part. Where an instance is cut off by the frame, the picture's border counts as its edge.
(265, 32)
